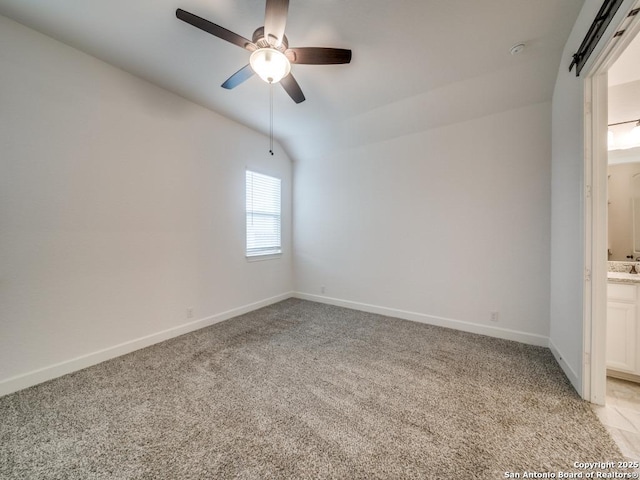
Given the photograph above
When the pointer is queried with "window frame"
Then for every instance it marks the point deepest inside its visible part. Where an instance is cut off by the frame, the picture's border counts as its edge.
(270, 251)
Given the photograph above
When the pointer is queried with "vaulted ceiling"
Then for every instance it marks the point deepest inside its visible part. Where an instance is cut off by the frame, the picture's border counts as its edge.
(417, 64)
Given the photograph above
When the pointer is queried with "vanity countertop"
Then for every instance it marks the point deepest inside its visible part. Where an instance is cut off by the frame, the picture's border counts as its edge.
(623, 277)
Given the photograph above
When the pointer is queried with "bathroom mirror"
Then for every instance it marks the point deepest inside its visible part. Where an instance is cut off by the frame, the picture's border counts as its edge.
(635, 199)
(624, 205)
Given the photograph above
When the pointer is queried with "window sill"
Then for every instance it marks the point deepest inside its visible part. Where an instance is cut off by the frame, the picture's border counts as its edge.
(260, 258)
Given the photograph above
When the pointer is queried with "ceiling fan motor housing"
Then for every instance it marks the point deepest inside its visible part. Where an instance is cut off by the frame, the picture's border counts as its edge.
(260, 40)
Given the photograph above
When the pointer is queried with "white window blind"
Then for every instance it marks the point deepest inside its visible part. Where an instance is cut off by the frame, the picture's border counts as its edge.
(263, 214)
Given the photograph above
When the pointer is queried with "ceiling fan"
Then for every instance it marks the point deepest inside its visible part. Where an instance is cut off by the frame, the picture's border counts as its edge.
(271, 57)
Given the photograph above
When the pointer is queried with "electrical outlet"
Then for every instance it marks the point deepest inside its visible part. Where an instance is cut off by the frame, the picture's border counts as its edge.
(190, 312)
(322, 289)
(494, 316)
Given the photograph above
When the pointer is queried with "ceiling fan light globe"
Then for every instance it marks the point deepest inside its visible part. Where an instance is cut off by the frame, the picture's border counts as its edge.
(270, 64)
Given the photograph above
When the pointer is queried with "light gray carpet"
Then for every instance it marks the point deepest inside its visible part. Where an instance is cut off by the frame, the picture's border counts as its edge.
(305, 390)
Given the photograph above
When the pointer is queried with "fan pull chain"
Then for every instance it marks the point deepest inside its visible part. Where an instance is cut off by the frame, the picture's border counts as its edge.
(271, 118)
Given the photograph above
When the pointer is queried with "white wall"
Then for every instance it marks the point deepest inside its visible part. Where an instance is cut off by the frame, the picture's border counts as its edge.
(624, 106)
(567, 193)
(121, 205)
(443, 226)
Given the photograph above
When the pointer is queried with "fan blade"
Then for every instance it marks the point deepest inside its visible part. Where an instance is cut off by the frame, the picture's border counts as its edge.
(237, 78)
(292, 88)
(275, 19)
(215, 30)
(318, 55)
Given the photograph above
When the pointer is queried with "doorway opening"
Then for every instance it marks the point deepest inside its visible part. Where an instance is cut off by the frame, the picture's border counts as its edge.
(600, 112)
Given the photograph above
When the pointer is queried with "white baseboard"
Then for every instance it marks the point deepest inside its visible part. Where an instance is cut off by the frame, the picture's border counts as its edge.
(50, 372)
(504, 333)
(566, 368)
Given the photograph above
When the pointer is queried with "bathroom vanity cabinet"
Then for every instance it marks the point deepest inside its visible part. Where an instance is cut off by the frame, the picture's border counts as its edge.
(623, 332)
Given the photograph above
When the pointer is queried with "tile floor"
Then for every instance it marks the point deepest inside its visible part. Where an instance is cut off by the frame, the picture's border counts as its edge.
(621, 415)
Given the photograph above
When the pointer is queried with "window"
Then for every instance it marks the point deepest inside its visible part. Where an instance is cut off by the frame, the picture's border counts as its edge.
(263, 214)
